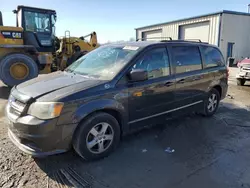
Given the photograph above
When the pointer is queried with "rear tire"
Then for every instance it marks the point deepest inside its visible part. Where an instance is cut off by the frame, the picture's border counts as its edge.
(11, 75)
(211, 104)
(91, 147)
(240, 81)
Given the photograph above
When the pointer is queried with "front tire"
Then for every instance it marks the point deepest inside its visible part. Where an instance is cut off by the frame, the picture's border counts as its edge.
(97, 136)
(17, 68)
(211, 104)
(240, 82)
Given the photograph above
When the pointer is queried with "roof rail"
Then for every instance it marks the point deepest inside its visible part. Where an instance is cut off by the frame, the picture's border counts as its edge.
(187, 40)
(194, 40)
(169, 39)
(163, 38)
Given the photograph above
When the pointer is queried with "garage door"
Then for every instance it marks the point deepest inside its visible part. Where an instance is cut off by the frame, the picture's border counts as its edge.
(195, 31)
(149, 35)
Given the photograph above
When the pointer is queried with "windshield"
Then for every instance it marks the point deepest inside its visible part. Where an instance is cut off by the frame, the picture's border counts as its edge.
(104, 63)
(37, 22)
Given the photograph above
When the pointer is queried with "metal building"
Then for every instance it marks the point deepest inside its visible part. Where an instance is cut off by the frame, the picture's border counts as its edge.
(227, 29)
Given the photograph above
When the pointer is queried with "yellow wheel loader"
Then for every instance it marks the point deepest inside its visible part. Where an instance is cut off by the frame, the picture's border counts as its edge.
(72, 48)
(29, 48)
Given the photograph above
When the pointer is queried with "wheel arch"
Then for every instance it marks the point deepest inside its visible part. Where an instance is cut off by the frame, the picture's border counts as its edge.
(107, 106)
(218, 88)
(216, 84)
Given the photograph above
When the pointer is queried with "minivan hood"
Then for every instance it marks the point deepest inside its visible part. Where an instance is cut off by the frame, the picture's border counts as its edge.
(47, 83)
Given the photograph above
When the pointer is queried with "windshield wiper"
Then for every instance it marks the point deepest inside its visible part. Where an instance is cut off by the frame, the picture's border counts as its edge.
(68, 70)
(81, 73)
(95, 76)
(86, 75)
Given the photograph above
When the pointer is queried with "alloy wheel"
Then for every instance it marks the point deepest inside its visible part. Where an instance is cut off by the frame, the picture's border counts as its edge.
(212, 102)
(99, 138)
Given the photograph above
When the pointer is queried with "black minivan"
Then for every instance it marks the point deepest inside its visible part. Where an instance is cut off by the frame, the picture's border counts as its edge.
(113, 90)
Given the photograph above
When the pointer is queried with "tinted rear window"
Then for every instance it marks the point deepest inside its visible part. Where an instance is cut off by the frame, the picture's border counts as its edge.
(213, 57)
(187, 58)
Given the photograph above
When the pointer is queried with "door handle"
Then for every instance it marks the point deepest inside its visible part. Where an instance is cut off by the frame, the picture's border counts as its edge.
(181, 81)
(197, 78)
(167, 84)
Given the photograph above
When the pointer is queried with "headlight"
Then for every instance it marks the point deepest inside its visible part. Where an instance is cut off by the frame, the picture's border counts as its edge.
(45, 110)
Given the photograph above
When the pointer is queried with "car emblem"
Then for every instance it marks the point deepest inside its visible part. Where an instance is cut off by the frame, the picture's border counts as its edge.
(107, 86)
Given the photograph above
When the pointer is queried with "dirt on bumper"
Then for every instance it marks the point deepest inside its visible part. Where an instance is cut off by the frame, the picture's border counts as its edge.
(40, 137)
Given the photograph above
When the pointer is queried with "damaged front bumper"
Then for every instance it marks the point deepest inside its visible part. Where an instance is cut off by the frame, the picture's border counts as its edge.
(40, 138)
(35, 152)
(35, 136)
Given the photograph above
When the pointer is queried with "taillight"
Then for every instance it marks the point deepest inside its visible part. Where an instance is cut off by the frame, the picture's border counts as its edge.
(227, 72)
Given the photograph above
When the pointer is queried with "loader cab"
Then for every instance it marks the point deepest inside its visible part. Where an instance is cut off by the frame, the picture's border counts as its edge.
(38, 27)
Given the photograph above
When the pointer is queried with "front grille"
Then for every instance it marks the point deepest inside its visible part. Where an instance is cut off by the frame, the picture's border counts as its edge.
(14, 112)
(16, 107)
(246, 68)
(19, 103)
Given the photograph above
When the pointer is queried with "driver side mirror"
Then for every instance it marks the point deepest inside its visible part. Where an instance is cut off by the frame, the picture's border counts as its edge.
(137, 75)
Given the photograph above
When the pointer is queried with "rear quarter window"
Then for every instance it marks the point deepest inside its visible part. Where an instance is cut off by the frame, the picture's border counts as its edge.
(212, 56)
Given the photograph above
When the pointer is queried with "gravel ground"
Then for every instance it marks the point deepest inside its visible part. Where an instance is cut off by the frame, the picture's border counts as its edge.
(191, 151)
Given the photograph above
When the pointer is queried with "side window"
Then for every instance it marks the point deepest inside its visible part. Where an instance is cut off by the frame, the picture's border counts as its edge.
(155, 62)
(212, 56)
(187, 58)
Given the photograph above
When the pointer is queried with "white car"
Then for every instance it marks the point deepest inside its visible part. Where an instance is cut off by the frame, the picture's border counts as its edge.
(243, 73)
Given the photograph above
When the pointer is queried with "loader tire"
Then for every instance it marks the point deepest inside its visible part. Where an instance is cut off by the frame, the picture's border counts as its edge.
(17, 68)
